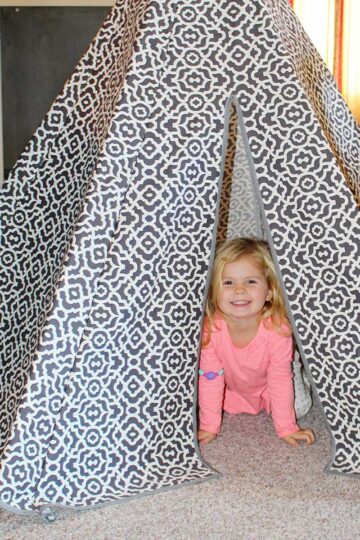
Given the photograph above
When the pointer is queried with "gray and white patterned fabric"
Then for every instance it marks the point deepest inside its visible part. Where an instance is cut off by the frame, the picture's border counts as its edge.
(239, 212)
(108, 228)
(340, 127)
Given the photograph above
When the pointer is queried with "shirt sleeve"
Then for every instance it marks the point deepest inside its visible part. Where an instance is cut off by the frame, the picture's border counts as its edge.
(280, 386)
(211, 392)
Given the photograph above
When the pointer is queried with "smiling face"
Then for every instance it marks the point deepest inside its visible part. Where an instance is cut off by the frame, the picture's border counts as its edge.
(244, 290)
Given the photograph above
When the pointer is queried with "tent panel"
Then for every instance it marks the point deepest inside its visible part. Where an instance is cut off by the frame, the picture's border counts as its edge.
(339, 125)
(44, 195)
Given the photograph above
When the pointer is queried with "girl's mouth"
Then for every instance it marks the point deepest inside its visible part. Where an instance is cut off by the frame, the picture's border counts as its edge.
(240, 302)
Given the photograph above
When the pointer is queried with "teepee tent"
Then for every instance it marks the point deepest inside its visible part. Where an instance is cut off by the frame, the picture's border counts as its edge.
(109, 223)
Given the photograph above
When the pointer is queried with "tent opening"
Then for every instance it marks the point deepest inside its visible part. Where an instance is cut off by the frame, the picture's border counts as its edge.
(240, 215)
(239, 210)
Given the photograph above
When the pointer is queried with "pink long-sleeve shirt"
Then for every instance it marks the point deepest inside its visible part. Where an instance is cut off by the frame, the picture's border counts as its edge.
(256, 377)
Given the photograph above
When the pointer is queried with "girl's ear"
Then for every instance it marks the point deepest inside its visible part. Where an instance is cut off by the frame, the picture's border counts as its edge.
(269, 296)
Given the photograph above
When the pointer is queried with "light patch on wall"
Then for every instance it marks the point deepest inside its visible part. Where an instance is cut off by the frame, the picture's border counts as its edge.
(333, 27)
(318, 20)
(351, 64)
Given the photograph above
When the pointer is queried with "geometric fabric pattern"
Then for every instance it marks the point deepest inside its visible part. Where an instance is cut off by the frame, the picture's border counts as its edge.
(109, 225)
(239, 211)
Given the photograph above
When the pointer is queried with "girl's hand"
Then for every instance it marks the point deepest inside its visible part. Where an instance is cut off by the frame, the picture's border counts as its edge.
(306, 434)
(206, 437)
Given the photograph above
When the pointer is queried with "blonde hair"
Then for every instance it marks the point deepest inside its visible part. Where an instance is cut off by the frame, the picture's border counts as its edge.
(274, 311)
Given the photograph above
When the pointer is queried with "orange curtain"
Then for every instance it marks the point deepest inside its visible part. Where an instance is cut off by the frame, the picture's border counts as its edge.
(334, 28)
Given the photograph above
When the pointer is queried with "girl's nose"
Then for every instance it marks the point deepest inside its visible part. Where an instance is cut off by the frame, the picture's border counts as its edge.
(239, 289)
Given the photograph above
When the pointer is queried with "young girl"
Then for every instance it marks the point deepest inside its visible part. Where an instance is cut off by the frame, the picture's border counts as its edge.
(247, 349)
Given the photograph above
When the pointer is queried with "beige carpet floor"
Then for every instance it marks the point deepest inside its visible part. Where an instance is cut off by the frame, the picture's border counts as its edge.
(268, 491)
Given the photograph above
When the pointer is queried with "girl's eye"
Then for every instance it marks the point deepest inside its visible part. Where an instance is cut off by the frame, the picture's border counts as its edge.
(252, 281)
(227, 283)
